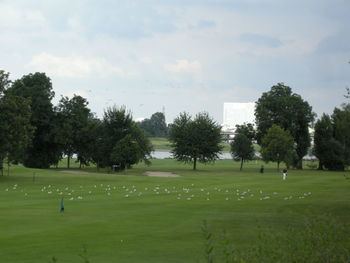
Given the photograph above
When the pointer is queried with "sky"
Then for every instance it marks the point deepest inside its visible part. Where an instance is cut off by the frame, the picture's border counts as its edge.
(176, 55)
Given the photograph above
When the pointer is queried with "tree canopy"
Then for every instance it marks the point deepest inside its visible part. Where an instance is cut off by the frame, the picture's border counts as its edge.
(155, 126)
(332, 139)
(37, 89)
(4, 82)
(15, 129)
(119, 131)
(277, 146)
(247, 129)
(36, 133)
(341, 120)
(288, 110)
(195, 140)
(323, 138)
(73, 116)
(242, 148)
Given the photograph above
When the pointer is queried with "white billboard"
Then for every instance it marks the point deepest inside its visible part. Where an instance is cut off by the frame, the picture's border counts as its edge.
(237, 113)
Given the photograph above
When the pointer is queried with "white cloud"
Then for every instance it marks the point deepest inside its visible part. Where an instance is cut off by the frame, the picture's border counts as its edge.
(184, 65)
(16, 17)
(74, 66)
(146, 60)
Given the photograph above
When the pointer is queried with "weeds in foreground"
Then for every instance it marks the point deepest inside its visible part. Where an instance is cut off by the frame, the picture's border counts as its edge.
(320, 239)
(209, 248)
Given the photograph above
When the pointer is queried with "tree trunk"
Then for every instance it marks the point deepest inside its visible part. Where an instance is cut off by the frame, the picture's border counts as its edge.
(278, 165)
(300, 164)
(320, 165)
(68, 161)
(241, 164)
(195, 163)
(2, 166)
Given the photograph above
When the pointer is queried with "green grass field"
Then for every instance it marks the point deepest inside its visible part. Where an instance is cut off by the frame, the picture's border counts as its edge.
(164, 144)
(160, 143)
(129, 217)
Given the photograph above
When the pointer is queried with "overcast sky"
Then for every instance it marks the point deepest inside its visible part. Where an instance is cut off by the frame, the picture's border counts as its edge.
(181, 55)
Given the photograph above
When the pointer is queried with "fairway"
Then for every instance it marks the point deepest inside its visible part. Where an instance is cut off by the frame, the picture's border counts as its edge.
(130, 217)
(163, 144)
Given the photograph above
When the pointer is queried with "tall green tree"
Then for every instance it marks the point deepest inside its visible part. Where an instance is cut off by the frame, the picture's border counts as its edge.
(332, 139)
(247, 129)
(242, 148)
(45, 149)
(15, 129)
(195, 140)
(132, 148)
(90, 136)
(341, 120)
(322, 137)
(282, 107)
(116, 124)
(155, 126)
(74, 115)
(277, 146)
(119, 132)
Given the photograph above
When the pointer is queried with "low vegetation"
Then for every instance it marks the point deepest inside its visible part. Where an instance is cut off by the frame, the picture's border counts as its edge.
(129, 217)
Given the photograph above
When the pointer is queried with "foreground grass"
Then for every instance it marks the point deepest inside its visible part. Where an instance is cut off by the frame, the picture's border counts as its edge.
(128, 217)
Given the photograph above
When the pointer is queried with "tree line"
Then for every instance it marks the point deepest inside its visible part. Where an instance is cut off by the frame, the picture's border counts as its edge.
(38, 134)
(282, 128)
(155, 126)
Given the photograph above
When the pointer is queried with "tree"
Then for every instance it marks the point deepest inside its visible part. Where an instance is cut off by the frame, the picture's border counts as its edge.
(247, 129)
(332, 139)
(195, 140)
(74, 115)
(277, 145)
(242, 148)
(341, 120)
(15, 129)
(322, 138)
(155, 126)
(45, 149)
(90, 138)
(288, 110)
(120, 133)
(4, 82)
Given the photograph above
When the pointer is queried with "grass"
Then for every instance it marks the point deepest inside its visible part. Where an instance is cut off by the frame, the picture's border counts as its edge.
(160, 144)
(109, 219)
(163, 144)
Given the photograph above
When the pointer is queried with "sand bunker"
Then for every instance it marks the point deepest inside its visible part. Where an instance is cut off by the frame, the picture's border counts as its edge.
(161, 174)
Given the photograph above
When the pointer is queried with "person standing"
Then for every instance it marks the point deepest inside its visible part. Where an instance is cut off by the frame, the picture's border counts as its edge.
(284, 174)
